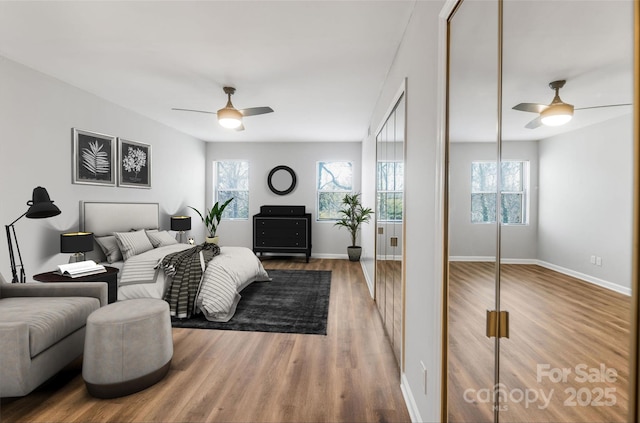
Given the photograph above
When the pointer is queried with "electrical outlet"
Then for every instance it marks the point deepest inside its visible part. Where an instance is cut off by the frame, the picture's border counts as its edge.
(598, 261)
(593, 259)
(424, 378)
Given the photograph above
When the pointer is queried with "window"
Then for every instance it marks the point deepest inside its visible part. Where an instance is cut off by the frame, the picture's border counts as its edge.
(334, 180)
(484, 178)
(232, 180)
(390, 190)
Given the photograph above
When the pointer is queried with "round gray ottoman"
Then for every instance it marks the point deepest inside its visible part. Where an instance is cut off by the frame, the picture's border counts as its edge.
(128, 347)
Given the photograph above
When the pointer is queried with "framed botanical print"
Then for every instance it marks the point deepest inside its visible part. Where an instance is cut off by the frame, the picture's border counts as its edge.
(134, 164)
(94, 158)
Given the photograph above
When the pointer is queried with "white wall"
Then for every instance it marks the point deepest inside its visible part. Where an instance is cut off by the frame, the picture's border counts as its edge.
(586, 200)
(477, 241)
(37, 113)
(327, 240)
(581, 203)
(417, 61)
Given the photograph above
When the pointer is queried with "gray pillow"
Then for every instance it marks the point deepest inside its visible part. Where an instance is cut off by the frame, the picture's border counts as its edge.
(133, 243)
(110, 248)
(161, 238)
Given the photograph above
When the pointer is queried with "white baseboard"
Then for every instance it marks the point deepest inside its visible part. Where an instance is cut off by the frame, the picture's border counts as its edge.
(583, 277)
(587, 278)
(409, 400)
(471, 258)
(487, 258)
(330, 256)
(368, 279)
(382, 257)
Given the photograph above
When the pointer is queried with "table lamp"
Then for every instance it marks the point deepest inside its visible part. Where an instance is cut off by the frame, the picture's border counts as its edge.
(181, 224)
(77, 243)
(40, 207)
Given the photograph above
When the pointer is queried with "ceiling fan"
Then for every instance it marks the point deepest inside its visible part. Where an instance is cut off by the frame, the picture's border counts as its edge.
(230, 117)
(557, 112)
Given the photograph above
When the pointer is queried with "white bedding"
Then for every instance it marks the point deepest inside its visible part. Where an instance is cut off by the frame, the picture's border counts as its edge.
(226, 275)
(117, 264)
(135, 283)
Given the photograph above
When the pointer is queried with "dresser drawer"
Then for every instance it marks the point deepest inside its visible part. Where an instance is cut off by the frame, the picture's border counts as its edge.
(282, 234)
(281, 242)
(282, 210)
(284, 227)
(281, 222)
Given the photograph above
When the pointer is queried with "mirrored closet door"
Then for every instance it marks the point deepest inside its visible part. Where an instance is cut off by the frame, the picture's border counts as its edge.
(472, 227)
(540, 217)
(389, 224)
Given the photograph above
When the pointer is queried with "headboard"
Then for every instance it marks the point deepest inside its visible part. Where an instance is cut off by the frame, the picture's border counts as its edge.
(104, 218)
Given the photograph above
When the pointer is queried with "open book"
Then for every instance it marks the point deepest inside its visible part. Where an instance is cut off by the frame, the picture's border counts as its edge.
(81, 268)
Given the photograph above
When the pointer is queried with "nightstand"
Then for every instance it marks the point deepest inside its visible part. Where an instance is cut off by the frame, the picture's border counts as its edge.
(110, 277)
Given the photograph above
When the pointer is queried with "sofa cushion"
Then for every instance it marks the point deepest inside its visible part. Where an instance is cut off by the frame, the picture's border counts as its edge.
(49, 319)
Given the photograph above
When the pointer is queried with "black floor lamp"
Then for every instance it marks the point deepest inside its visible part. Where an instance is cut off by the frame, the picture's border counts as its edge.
(40, 207)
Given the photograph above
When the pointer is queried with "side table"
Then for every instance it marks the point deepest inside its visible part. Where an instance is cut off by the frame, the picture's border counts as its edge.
(110, 277)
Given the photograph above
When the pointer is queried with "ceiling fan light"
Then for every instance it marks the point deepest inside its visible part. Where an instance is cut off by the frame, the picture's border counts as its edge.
(557, 115)
(229, 118)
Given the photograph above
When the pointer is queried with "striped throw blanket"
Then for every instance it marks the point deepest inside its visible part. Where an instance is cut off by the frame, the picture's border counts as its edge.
(186, 269)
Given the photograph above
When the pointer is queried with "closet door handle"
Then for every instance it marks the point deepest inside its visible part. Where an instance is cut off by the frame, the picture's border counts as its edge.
(492, 324)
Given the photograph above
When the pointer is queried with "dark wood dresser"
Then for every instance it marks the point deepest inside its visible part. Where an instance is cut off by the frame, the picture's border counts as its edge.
(282, 229)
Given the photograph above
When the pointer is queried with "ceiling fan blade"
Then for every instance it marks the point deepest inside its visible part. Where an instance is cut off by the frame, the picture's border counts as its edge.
(191, 110)
(252, 111)
(599, 107)
(534, 123)
(530, 107)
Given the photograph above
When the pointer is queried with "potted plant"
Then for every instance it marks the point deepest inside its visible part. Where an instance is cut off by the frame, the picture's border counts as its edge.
(212, 219)
(353, 215)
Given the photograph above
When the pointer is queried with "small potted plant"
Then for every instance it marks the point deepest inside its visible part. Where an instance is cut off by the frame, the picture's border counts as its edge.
(212, 219)
(353, 215)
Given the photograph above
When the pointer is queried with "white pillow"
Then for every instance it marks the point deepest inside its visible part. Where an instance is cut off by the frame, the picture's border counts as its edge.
(110, 248)
(133, 243)
(161, 238)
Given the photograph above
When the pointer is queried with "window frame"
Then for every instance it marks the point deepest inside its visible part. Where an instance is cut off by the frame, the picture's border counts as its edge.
(217, 190)
(335, 191)
(524, 192)
(399, 192)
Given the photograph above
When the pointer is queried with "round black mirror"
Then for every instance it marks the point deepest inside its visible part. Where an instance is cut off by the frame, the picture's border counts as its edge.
(281, 180)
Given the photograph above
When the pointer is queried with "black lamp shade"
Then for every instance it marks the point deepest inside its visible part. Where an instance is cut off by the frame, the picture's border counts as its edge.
(76, 242)
(41, 205)
(180, 223)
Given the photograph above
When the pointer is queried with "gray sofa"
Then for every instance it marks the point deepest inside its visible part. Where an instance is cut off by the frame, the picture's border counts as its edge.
(42, 329)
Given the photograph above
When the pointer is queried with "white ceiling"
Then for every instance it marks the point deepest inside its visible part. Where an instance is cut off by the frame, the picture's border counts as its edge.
(319, 64)
(587, 43)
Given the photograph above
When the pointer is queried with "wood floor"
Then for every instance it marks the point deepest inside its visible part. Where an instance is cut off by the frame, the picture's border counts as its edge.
(555, 321)
(350, 375)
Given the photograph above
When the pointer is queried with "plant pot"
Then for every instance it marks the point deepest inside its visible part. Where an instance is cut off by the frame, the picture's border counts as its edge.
(354, 253)
(213, 240)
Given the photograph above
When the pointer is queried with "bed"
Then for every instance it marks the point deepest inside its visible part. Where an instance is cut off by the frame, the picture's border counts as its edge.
(121, 232)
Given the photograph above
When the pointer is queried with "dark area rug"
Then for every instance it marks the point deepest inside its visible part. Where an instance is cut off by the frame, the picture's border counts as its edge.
(294, 301)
